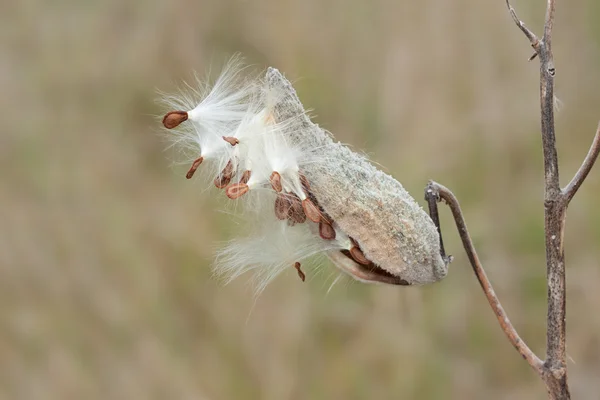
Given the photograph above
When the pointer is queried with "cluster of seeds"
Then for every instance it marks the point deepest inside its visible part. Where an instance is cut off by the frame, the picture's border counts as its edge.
(233, 130)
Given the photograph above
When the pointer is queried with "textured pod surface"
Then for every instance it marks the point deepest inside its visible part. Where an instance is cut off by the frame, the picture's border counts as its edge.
(370, 206)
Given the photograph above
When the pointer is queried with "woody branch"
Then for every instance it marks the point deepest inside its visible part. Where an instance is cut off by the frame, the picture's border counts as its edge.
(553, 370)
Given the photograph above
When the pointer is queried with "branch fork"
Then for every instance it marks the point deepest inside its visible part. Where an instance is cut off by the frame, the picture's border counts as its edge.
(553, 371)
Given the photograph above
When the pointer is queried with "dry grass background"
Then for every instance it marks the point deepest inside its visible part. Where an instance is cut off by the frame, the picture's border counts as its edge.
(105, 287)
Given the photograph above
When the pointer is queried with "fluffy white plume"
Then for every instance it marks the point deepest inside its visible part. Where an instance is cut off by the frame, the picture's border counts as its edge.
(274, 246)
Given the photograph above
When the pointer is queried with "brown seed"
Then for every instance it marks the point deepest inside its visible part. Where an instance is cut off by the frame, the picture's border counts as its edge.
(304, 182)
(326, 231)
(236, 190)
(359, 256)
(246, 176)
(300, 273)
(225, 176)
(194, 167)
(311, 211)
(275, 180)
(221, 181)
(231, 140)
(296, 212)
(228, 170)
(174, 118)
(326, 218)
(282, 206)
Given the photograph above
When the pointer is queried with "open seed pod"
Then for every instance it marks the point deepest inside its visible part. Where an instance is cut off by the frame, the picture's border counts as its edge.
(303, 194)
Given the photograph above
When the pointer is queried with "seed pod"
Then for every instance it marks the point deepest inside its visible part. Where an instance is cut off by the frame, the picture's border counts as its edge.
(380, 233)
(366, 203)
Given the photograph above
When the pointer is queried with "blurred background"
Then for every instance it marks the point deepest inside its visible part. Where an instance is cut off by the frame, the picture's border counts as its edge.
(105, 248)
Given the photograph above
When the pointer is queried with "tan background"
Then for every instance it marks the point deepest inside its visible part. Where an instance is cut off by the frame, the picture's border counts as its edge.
(105, 250)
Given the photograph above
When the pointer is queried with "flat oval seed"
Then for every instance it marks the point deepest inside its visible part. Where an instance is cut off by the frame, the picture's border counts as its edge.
(275, 180)
(231, 140)
(304, 182)
(194, 167)
(236, 190)
(228, 170)
(326, 231)
(311, 211)
(296, 212)
(225, 176)
(246, 176)
(359, 256)
(174, 118)
(222, 181)
(282, 206)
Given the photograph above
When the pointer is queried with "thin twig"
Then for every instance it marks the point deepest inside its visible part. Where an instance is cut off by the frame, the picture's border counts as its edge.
(591, 157)
(549, 22)
(533, 39)
(446, 195)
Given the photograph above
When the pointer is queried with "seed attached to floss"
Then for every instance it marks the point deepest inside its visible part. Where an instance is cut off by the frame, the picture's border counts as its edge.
(300, 273)
(282, 206)
(222, 181)
(296, 212)
(275, 180)
(194, 167)
(225, 176)
(311, 211)
(174, 118)
(236, 190)
(231, 140)
(326, 231)
(246, 176)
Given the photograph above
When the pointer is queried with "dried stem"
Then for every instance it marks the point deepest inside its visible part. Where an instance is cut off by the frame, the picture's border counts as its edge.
(585, 168)
(436, 191)
(533, 39)
(554, 370)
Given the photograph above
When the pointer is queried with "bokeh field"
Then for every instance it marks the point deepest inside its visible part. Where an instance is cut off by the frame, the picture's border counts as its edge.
(105, 248)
